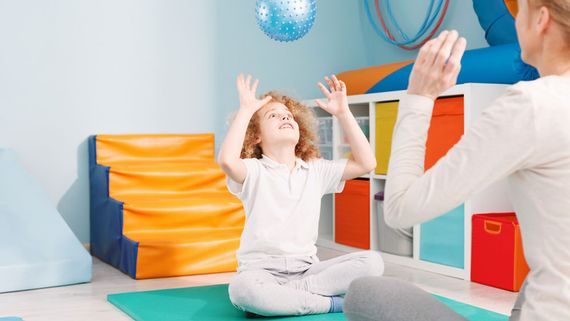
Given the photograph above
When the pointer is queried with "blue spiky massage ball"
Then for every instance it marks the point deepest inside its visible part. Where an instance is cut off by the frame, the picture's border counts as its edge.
(285, 20)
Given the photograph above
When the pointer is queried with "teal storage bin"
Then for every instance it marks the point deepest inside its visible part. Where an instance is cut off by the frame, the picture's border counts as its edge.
(441, 239)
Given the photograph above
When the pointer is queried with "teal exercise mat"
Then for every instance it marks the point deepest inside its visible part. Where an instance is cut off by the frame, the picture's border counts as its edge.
(211, 303)
(471, 312)
(204, 303)
(10, 319)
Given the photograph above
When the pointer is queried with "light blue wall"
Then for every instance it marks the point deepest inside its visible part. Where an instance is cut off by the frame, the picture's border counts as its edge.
(410, 13)
(73, 68)
(341, 39)
(334, 43)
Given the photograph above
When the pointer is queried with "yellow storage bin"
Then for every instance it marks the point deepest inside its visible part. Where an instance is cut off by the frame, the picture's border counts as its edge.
(386, 114)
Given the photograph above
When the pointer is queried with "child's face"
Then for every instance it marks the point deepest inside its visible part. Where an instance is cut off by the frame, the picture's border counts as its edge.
(277, 125)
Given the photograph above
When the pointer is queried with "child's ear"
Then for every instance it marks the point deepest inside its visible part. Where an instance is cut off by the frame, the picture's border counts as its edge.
(258, 140)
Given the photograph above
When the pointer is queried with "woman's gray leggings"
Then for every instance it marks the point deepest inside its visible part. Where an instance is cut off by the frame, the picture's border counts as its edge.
(387, 299)
(279, 286)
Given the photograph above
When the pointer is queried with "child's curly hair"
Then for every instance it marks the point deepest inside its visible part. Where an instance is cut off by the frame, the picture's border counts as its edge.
(306, 148)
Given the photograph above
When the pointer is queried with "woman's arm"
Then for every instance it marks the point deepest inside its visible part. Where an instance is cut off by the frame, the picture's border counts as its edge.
(499, 142)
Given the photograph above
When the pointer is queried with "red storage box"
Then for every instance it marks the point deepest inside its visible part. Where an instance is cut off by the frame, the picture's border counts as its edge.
(497, 257)
(352, 214)
(445, 130)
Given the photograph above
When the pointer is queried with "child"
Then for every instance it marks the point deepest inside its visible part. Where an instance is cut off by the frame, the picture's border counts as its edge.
(273, 166)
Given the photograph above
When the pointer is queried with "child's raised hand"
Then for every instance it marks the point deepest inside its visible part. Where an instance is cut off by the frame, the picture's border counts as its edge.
(336, 95)
(437, 65)
(246, 92)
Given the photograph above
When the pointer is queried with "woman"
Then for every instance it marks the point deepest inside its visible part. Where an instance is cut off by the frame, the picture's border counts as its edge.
(524, 136)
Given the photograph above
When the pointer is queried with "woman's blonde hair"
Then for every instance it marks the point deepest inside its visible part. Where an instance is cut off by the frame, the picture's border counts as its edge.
(560, 12)
(306, 149)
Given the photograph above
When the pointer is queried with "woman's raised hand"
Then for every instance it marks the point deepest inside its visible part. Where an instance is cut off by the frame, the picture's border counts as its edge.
(246, 91)
(437, 65)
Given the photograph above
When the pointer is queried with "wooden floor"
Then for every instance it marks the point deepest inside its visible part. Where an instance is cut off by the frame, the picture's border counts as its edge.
(88, 301)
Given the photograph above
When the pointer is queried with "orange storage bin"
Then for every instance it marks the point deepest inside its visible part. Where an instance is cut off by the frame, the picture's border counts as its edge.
(352, 214)
(446, 128)
(497, 257)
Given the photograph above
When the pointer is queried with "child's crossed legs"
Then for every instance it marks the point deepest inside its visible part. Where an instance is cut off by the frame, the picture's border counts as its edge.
(296, 286)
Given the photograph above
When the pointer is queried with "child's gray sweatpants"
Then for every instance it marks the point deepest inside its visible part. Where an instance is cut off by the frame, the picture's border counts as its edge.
(278, 286)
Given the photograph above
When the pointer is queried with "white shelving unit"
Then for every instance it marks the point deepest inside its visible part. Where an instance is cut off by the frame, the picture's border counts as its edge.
(494, 199)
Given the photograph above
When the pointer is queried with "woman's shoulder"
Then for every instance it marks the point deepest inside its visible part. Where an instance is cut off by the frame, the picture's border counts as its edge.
(545, 100)
(545, 93)
(543, 86)
(523, 95)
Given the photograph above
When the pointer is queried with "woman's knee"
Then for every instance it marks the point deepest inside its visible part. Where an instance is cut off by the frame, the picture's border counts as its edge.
(362, 299)
(369, 298)
(374, 264)
(381, 298)
(369, 288)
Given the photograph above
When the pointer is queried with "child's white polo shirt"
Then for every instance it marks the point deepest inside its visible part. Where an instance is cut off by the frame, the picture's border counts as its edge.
(282, 207)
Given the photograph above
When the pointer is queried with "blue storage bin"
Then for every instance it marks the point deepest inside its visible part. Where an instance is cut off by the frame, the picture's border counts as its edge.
(441, 239)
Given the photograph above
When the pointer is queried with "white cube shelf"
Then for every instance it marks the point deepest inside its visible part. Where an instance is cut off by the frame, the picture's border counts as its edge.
(476, 97)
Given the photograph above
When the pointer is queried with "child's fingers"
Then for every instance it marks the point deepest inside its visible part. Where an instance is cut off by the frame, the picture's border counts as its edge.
(266, 100)
(247, 82)
(239, 81)
(321, 104)
(254, 86)
(342, 86)
(330, 83)
(336, 83)
(324, 90)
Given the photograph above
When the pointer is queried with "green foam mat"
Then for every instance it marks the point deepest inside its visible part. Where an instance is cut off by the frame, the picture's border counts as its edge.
(205, 303)
(471, 312)
(211, 303)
